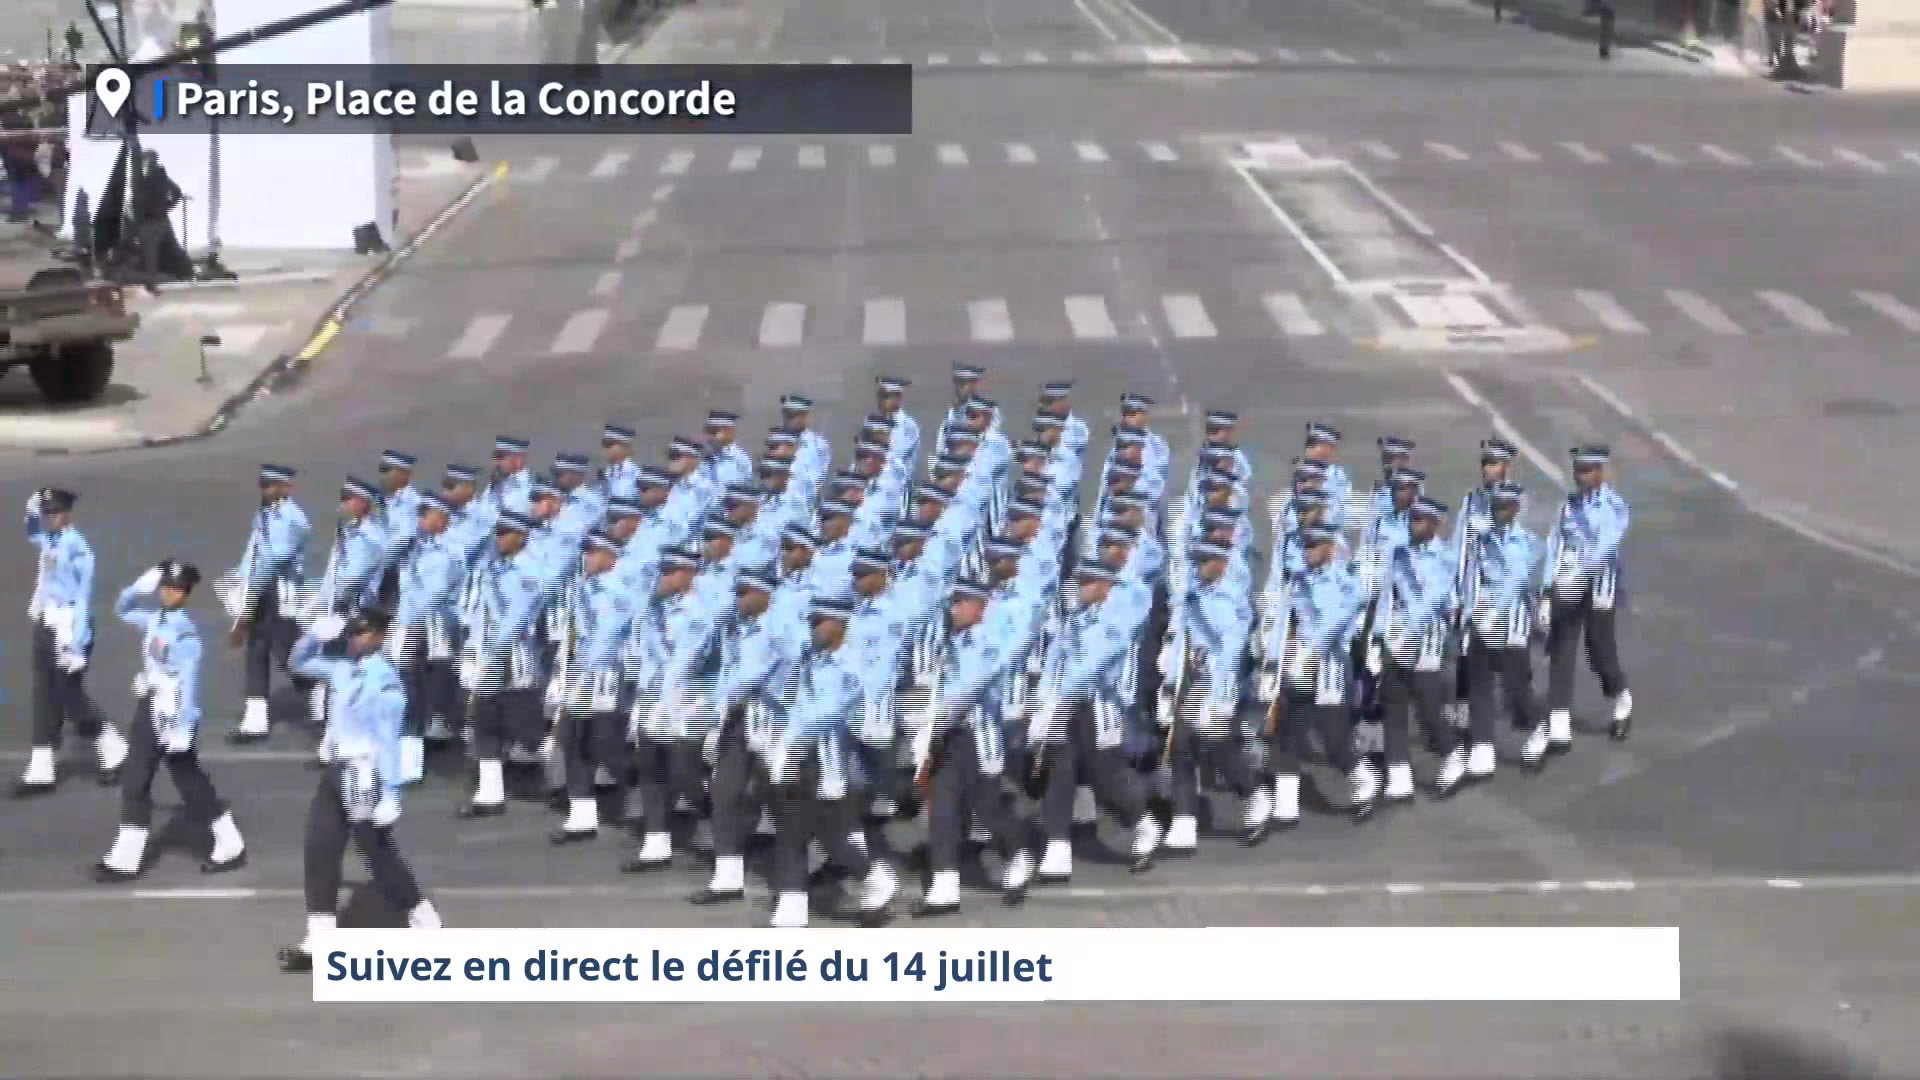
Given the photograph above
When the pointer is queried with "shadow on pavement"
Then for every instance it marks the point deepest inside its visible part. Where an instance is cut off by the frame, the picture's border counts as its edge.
(1753, 1054)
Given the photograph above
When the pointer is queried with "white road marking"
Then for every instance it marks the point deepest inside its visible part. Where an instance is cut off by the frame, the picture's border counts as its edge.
(1907, 318)
(1799, 312)
(891, 61)
(880, 155)
(1505, 429)
(192, 309)
(1243, 56)
(1290, 313)
(537, 171)
(1286, 56)
(811, 157)
(952, 154)
(627, 250)
(1518, 152)
(1380, 150)
(1854, 157)
(1034, 56)
(1654, 153)
(677, 163)
(1337, 56)
(1798, 158)
(1703, 311)
(1082, 56)
(644, 220)
(606, 284)
(886, 322)
(745, 159)
(1911, 155)
(1723, 156)
(580, 331)
(240, 337)
(1609, 312)
(989, 59)
(1187, 316)
(1584, 153)
(1159, 151)
(478, 338)
(1089, 318)
(936, 59)
(1450, 152)
(841, 60)
(782, 325)
(989, 320)
(682, 329)
(611, 164)
(1090, 152)
(1020, 154)
(660, 193)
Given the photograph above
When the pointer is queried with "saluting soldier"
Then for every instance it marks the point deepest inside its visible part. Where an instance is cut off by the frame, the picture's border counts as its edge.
(1415, 603)
(1499, 605)
(62, 618)
(165, 723)
(359, 793)
(397, 512)
(1584, 561)
(1200, 706)
(422, 638)
(964, 753)
(592, 727)
(268, 593)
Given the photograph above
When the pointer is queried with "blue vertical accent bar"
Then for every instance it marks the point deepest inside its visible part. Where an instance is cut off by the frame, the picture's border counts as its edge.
(159, 100)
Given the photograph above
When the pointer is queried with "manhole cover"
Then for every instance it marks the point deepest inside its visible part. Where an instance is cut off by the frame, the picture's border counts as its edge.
(1861, 407)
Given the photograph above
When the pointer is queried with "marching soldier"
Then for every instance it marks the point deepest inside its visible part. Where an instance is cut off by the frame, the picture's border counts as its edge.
(167, 717)
(422, 637)
(1499, 605)
(1312, 649)
(1416, 600)
(582, 506)
(1583, 558)
(727, 464)
(352, 578)
(1323, 448)
(806, 764)
(1396, 457)
(1475, 518)
(397, 513)
(1073, 430)
(883, 494)
(813, 454)
(1156, 459)
(62, 618)
(511, 486)
(832, 550)
(268, 593)
(593, 730)
(692, 491)
(966, 386)
(359, 793)
(1200, 702)
(963, 754)
(890, 394)
(620, 477)
(1078, 728)
(500, 666)
(673, 637)
(469, 534)
(876, 637)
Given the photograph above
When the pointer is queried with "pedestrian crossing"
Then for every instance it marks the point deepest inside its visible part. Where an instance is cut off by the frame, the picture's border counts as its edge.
(1117, 55)
(883, 322)
(714, 157)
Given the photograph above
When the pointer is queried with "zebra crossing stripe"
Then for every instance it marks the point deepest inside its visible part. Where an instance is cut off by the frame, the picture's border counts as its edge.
(1159, 151)
(606, 284)
(1518, 152)
(885, 322)
(1898, 313)
(1286, 56)
(1854, 157)
(782, 325)
(1336, 56)
(937, 60)
(989, 59)
(989, 320)
(1723, 156)
(1020, 154)
(1798, 158)
(677, 163)
(952, 154)
(745, 159)
(880, 155)
(1090, 152)
(811, 157)
(581, 330)
(1187, 316)
(1380, 150)
(477, 339)
(1584, 153)
(1609, 313)
(610, 165)
(1289, 312)
(682, 329)
(1703, 311)
(1034, 56)
(1654, 153)
(1088, 317)
(1799, 312)
(1451, 153)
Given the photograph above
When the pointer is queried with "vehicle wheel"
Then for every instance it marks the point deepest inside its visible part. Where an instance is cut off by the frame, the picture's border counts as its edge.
(73, 374)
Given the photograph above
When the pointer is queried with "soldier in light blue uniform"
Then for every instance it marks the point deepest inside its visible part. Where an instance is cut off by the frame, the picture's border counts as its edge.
(1130, 452)
(422, 641)
(1411, 628)
(268, 592)
(351, 581)
(555, 548)
(781, 504)
(693, 492)
(673, 656)
(877, 635)
(1323, 447)
(500, 667)
(469, 533)
(582, 506)
(1388, 531)
(397, 513)
(1498, 604)
(1311, 648)
(889, 395)
(813, 454)
(966, 386)
(166, 720)
(760, 649)
(359, 793)
(1079, 725)
(964, 754)
(884, 498)
(992, 455)
(1396, 456)
(592, 681)
(1156, 459)
(1475, 518)
(1062, 468)
(657, 528)
(619, 478)
(726, 462)
(1073, 430)
(807, 768)
(1310, 476)
(830, 570)
(1199, 707)
(1583, 561)
(713, 585)
(62, 618)
(511, 486)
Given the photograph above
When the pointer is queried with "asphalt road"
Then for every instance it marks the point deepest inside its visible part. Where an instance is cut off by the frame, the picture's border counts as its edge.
(1081, 218)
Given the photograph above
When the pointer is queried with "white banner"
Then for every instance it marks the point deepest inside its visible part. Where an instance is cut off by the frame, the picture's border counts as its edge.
(1211, 964)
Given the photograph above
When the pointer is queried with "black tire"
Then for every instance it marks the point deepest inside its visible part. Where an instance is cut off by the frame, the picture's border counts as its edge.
(73, 374)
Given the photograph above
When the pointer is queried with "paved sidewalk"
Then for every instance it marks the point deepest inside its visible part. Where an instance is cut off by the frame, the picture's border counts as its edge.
(1639, 24)
(159, 391)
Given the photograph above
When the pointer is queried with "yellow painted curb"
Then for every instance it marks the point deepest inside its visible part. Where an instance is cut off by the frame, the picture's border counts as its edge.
(318, 344)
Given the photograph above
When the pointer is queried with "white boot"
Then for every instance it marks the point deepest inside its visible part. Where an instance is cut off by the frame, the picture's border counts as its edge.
(790, 911)
(816, 858)
(549, 750)
(413, 759)
(40, 769)
(656, 847)
(1183, 834)
(1623, 706)
(111, 748)
(1258, 813)
(1363, 788)
(1146, 840)
(859, 841)
(1399, 782)
(1018, 873)
(129, 847)
(583, 816)
(424, 916)
(316, 926)
(1286, 799)
(729, 875)
(1481, 761)
(1453, 769)
(1534, 751)
(1057, 862)
(228, 846)
(878, 890)
(601, 777)
(253, 720)
(492, 788)
(943, 894)
(1559, 728)
(1086, 809)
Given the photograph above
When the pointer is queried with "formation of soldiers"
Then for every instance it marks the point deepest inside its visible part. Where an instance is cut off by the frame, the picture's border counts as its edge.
(733, 647)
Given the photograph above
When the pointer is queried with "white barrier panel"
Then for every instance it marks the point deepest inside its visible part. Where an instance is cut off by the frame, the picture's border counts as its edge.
(985, 965)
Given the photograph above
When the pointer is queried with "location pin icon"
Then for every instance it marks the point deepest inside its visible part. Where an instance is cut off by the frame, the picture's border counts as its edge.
(112, 86)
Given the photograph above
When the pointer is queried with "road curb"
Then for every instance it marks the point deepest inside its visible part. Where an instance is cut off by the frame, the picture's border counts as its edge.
(288, 366)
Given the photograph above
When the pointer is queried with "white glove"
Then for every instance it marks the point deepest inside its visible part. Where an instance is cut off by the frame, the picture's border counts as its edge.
(148, 582)
(71, 662)
(327, 627)
(1375, 657)
(386, 811)
(1042, 723)
(174, 738)
(1546, 610)
(469, 673)
(1169, 660)
(1165, 710)
(1269, 683)
(556, 694)
(33, 504)
(710, 747)
(140, 685)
